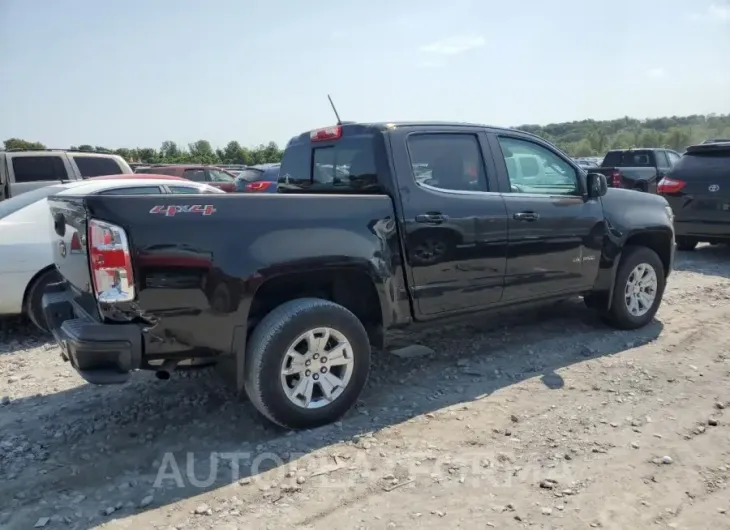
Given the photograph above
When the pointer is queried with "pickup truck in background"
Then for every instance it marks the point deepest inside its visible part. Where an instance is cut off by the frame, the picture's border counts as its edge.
(637, 169)
(25, 170)
(288, 292)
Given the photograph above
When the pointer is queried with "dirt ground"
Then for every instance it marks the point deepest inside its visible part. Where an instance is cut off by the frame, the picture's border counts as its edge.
(544, 420)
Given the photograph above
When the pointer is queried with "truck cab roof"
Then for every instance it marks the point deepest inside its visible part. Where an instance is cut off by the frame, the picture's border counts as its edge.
(356, 128)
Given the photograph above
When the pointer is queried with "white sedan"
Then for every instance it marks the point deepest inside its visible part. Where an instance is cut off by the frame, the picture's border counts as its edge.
(26, 252)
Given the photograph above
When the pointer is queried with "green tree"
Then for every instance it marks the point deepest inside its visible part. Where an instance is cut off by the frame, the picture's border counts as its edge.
(17, 143)
(677, 138)
(202, 152)
(170, 152)
(583, 148)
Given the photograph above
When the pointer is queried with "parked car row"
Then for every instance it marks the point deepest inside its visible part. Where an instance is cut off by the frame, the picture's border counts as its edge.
(243, 179)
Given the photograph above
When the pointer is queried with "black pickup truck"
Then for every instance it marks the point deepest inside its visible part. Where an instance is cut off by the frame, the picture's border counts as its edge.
(287, 292)
(637, 169)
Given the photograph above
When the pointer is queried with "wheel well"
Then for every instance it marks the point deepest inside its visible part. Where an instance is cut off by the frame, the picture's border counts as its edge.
(31, 283)
(352, 289)
(659, 242)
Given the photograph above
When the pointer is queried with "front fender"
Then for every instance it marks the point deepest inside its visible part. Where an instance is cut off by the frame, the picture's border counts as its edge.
(632, 219)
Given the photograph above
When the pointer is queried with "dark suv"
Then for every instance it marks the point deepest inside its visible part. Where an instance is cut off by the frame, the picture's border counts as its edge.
(698, 190)
(258, 179)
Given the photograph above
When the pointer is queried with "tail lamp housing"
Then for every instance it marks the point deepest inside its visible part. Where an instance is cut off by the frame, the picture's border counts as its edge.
(110, 262)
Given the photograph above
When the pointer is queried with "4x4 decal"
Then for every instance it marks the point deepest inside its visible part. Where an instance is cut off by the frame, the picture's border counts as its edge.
(172, 209)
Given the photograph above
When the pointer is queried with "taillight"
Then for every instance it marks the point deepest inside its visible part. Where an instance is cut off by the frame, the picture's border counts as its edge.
(616, 179)
(668, 185)
(110, 262)
(262, 185)
(328, 133)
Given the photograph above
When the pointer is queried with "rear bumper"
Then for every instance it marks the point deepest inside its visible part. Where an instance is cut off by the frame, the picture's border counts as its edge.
(102, 354)
(702, 230)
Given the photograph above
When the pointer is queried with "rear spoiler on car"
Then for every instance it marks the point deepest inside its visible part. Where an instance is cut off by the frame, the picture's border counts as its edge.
(709, 148)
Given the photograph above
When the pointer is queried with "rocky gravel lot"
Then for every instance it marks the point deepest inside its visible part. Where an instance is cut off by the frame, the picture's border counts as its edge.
(546, 420)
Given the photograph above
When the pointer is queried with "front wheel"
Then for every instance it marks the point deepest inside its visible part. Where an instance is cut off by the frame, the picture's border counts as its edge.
(307, 362)
(638, 290)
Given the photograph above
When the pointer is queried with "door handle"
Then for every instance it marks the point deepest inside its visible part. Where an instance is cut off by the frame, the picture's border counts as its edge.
(526, 216)
(433, 218)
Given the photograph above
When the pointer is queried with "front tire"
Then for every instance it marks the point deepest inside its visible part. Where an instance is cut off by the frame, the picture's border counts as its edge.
(34, 298)
(307, 363)
(639, 288)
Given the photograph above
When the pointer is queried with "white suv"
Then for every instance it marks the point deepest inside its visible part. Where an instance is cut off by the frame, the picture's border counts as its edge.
(22, 171)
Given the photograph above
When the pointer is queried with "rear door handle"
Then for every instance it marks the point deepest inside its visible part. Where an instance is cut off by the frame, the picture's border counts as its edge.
(432, 218)
(526, 216)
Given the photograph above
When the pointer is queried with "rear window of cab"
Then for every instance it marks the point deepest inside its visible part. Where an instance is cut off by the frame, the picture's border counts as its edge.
(347, 164)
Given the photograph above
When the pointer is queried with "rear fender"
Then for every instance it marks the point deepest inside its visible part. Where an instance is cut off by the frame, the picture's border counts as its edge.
(360, 286)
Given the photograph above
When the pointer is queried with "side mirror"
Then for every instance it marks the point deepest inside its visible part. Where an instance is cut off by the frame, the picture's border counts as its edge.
(597, 185)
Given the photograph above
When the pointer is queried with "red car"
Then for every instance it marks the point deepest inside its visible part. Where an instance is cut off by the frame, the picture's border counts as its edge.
(211, 175)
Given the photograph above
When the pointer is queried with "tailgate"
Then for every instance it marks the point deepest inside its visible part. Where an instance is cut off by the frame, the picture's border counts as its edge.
(69, 249)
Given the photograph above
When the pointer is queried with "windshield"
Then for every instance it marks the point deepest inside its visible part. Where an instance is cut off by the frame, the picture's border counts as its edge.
(220, 176)
(11, 206)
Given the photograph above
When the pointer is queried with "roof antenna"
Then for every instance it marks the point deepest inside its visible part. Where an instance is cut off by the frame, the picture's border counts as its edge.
(339, 121)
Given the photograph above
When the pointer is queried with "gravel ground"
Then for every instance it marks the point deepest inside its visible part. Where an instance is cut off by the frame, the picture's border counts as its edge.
(549, 420)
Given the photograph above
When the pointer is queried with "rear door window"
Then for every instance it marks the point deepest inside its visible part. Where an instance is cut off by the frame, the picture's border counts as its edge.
(97, 166)
(196, 175)
(450, 161)
(219, 176)
(662, 161)
(38, 168)
(137, 190)
(191, 190)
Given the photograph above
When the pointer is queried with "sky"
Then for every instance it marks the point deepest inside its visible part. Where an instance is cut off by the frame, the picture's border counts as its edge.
(135, 73)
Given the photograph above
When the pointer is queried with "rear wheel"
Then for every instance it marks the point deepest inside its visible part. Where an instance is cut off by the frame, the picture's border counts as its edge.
(34, 297)
(638, 290)
(306, 363)
(686, 243)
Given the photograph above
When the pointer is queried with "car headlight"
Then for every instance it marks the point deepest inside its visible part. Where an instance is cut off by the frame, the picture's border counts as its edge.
(670, 213)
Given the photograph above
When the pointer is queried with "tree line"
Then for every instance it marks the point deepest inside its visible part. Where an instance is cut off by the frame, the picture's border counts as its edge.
(595, 138)
(577, 138)
(200, 152)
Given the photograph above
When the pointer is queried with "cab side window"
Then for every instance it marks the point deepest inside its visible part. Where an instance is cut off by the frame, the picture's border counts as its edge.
(535, 169)
(196, 175)
(447, 161)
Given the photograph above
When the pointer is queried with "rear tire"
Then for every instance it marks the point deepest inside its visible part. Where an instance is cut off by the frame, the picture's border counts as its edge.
(34, 298)
(278, 350)
(686, 244)
(637, 268)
